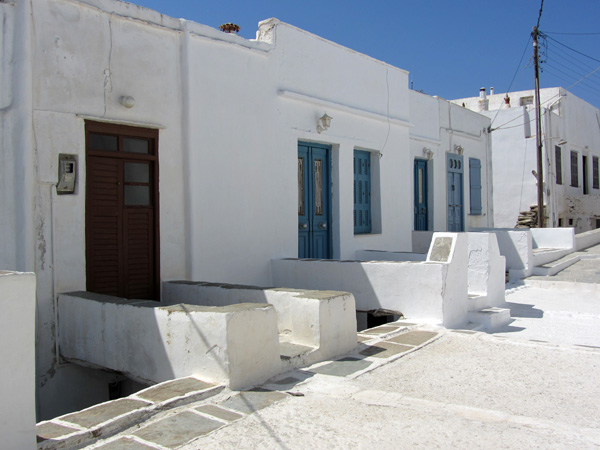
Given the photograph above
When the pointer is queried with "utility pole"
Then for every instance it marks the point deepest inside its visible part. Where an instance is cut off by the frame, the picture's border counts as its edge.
(538, 126)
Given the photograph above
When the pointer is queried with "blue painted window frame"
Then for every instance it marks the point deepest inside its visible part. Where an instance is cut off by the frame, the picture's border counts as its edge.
(475, 186)
(362, 192)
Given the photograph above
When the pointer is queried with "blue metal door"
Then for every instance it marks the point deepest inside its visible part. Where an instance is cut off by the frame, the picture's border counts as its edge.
(313, 201)
(455, 192)
(421, 208)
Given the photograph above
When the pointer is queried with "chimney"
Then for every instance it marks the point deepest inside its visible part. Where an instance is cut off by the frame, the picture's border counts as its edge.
(507, 101)
(484, 103)
(491, 91)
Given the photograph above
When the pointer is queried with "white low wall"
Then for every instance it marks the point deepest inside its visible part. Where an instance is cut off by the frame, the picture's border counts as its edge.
(434, 289)
(587, 239)
(487, 268)
(516, 245)
(17, 371)
(325, 320)
(378, 255)
(563, 238)
(237, 345)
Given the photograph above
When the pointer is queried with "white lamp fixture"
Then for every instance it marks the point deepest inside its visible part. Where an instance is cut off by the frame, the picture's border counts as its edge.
(428, 152)
(127, 101)
(458, 149)
(323, 123)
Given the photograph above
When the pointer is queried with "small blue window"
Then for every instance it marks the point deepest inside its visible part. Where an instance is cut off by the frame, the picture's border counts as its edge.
(475, 186)
(362, 192)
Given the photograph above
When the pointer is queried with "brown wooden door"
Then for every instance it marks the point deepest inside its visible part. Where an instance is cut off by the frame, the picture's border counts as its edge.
(122, 211)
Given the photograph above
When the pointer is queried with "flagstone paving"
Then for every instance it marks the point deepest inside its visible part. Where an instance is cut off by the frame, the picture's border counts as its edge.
(178, 429)
(342, 367)
(178, 426)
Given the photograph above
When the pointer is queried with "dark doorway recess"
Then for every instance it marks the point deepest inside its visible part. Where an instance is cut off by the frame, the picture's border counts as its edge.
(121, 219)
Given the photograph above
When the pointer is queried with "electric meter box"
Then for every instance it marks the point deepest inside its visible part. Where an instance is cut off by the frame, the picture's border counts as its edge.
(67, 174)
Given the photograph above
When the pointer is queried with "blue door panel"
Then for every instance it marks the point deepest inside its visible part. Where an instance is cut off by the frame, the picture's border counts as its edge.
(420, 184)
(455, 172)
(314, 216)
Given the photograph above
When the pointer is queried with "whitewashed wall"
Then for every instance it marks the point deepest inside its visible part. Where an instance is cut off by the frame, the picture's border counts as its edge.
(17, 371)
(565, 117)
(230, 113)
(438, 128)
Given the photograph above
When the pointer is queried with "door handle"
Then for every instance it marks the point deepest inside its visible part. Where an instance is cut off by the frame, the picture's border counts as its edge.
(303, 226)
(323, 226)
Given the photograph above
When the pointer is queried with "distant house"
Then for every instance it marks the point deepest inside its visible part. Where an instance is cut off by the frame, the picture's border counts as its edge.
(138, 148)
(571, 149)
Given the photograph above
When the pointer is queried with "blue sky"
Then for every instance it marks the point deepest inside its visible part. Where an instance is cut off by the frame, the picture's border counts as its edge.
(450, 47)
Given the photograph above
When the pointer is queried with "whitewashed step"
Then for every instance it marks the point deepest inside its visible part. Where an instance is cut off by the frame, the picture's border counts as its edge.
(489, 318)
(477, 302)
(554, 267)
(543, 256)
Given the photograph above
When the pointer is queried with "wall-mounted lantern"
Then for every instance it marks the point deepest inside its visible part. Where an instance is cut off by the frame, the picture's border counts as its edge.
(323, 123)
(458, 149)
(127, 101)
(428, 153)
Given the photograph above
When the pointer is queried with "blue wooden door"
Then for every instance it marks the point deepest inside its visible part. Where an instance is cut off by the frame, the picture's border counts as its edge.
(421, 208)
(455, 192)
(314, 214)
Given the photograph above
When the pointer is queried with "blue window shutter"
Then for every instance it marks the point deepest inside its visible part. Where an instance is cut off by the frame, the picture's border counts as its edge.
(475, 185)
(362, 192)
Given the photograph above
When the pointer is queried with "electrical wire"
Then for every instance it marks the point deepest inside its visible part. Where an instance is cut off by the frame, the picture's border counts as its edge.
(514, 76)
(571, 34)
(572, 49)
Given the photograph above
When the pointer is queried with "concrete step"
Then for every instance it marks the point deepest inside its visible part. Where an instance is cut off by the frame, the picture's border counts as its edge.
(477, 302)
(552, 268)
(543, 256)
(489, 318)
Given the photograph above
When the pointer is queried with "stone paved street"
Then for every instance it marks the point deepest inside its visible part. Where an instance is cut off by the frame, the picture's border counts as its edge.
(531, 384)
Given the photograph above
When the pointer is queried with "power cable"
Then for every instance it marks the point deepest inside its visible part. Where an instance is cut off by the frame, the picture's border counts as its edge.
(571, 34)
(572, 49)
(515, 75)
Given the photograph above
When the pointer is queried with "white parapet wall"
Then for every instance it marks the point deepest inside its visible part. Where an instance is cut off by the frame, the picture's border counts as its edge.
(516, 245)
(236, 345)
(17, 371)
(324, 320)
(435, 289)
(587, 239)
(487, 268)
(378, 255)
(554, 238)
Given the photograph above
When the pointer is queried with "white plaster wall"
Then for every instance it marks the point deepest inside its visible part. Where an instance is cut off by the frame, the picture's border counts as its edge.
(468, 130)
(565, 117)
(425, 135)
(17, 371)
(385, 284)
(516, 245)
(375, 255)
(486, 273)
(420, 290)
(325, 320)
(84, 61)
(154, 344)
(553, 238)
(440, 127)
(455, 283)
(16, 155)
(359, 93)
(223, 105)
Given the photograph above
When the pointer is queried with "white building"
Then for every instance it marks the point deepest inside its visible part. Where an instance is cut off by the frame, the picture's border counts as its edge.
(138, 148)
(571, 152)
